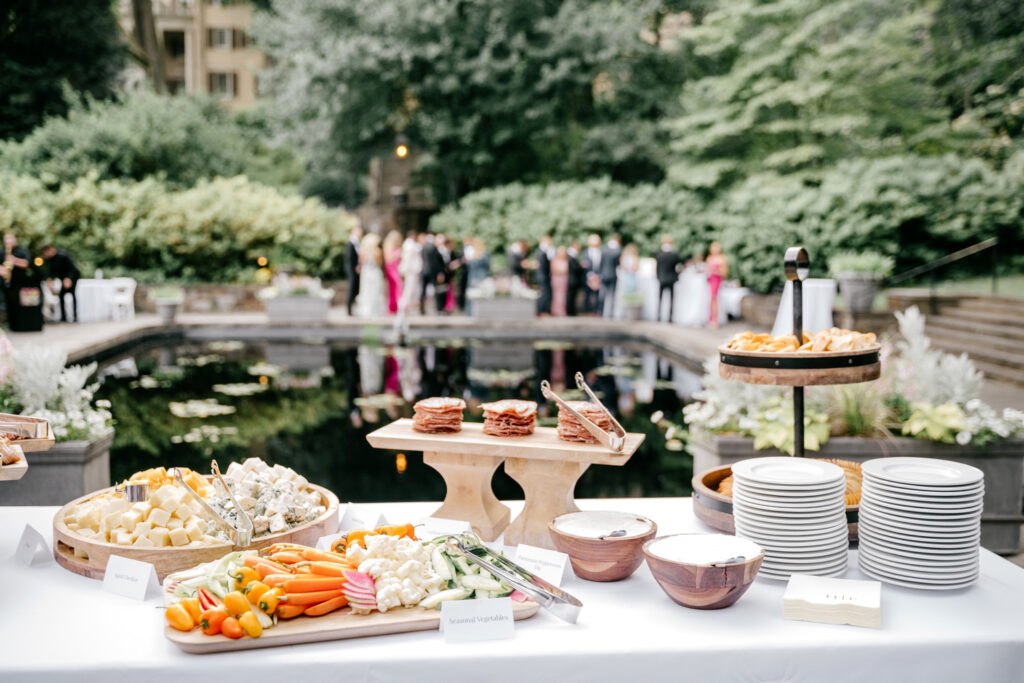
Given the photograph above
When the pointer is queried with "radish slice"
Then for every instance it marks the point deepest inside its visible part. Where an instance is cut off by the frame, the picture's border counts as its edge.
(518, 597)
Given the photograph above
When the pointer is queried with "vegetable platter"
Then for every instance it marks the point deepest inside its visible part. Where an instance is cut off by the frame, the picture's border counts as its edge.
(169, 542)
(370, 583)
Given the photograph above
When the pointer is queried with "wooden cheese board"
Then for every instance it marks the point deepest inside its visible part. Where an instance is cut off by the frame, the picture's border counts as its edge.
(16, 470)
(338, 625)
(800, 368)
(168, 559)
(545, 466)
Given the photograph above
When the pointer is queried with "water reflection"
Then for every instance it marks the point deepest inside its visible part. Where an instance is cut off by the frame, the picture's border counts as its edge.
(321, 401)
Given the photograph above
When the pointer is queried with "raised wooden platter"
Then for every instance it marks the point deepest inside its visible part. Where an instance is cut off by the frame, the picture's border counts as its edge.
(338, 625)
(169, 559)
(42, 442)
(800, 368)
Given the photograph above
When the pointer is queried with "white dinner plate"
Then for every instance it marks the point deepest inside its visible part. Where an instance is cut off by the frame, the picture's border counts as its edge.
(783, 512)
(783, 575)
(939, 515)
(929, 492)
(924, 526)
(792, 472)
(922, 471)
(914, 505)
(918, 574)
(904, 545)
(789, 493)
(791, 528)
(799, 542)
(828, 559)
(888, 553)
(829, 503)
(905, 583)
(915, 540)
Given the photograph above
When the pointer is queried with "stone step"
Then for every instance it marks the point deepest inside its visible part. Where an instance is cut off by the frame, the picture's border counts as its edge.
(967, 312)
(943, 322)
(971, 341)
(1001, 372)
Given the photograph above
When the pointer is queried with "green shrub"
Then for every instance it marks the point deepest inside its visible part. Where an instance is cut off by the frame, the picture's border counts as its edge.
(212, 232)
(867, 262)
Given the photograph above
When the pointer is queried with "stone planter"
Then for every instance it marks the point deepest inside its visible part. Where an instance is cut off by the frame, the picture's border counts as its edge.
(296, 310)
(635, 310)
(858, 290)
(67, 471)
(1002, 463)
(505, 308)
(168, 311)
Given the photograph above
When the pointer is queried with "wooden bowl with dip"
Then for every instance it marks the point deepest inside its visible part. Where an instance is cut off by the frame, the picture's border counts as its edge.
(703, 571)
(602, 545)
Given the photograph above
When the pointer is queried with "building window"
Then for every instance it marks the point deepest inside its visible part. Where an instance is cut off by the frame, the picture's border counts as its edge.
(175, 86)
(174, 44)
(219, 38)
(222, 84)
(239, 39)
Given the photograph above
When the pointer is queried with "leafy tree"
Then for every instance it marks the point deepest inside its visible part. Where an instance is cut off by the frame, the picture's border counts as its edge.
(47, 43)
(492, 92)
(178, 139)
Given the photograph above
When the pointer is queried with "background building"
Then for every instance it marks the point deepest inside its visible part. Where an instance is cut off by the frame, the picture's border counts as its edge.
(205, 48)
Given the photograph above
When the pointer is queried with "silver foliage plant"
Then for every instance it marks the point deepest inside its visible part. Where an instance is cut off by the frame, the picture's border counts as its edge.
(921, 373)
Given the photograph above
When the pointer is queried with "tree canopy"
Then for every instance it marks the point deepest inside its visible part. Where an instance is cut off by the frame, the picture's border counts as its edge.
(491, 92)
(46, 45)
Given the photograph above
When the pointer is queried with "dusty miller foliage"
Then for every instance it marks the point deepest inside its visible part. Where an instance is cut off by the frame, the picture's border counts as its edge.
(929, 375)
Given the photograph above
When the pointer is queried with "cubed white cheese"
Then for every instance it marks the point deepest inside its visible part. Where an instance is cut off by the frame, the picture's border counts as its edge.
(130, 519)
(179, 537)
(123, 538)
(175, 523)
(110, 522)
(193, 531)
(157, 498)
(142, 529)
(71, 525)
(86, 533)
(197, 507)
(183, 511)
(170, 504)
(159, 517)
(142, 507)
(143, 541)
(115, 505)
(277, 523)
(160, 537)
(88, 516)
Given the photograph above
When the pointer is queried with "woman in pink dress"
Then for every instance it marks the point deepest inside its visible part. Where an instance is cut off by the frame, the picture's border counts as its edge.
(560, 282)
(718, 269)
(392, 261)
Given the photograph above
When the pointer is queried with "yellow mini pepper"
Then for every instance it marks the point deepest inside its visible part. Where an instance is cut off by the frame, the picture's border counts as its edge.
(255, 590)
(250, 624)
(244, 576)
(268, 601)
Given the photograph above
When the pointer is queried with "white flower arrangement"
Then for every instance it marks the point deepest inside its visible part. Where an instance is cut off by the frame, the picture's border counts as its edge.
(286, 285)
(492, 288)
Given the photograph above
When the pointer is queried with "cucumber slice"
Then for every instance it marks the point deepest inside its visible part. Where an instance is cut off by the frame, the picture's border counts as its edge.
(462, 564)
(435, 600)
(482, 595)
(440, 564)
(481, 583)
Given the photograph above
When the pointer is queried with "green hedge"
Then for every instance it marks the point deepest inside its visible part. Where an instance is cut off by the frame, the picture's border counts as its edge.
(212, 232)
(912, 208)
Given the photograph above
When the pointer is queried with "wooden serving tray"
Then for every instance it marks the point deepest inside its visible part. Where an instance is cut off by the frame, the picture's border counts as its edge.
(34, 445)
(169, 559)
(800, 368)
(334, 626)
(16, 470)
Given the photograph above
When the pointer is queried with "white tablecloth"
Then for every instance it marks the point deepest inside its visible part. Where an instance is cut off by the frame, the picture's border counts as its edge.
(95, 300)
(60, 626)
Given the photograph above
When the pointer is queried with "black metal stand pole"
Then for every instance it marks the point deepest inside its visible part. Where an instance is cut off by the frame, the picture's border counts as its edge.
(798, 392)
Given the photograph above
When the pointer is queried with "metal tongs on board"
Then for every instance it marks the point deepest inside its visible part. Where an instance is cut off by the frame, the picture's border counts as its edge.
(242, 537)
(614, 441)
(552, 598)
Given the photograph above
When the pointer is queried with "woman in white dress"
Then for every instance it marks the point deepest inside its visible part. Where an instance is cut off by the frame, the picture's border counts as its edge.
(410, 268)
(372, 301)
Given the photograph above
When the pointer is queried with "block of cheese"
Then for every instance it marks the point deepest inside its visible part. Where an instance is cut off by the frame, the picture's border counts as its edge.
(175, 523)
(142, 529)
(143, 541)
(183, 511)
(179, 537)
(159, 517)
(130, 519)
(122, 538)
(110, 522)
(160, 537)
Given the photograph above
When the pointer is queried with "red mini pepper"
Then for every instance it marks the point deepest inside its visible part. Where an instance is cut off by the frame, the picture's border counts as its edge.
(207, 600)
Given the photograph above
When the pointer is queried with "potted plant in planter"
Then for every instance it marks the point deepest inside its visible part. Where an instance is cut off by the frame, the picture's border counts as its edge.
(168, 302)
(35, 382)
(634, 305)
(925, 404)
(296, 300)
(503, 298)
(859, 275)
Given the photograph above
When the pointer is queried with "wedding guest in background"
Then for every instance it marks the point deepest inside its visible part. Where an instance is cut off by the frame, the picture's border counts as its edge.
(460, 274)
(433, 272)
(575, 283)
(446, 297)
(560, 282)
(718, 269)
(669, 265)
(516, 256)
(629, 266)
(410, 267)
(63, 269)
(592, 275)
(373, 296)
(609, 270)
(14, 270)
(392, 266)
(542, 258)
(478, 268)
(352, 266)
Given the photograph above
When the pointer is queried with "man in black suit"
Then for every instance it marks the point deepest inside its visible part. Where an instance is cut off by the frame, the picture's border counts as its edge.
(445, 269)
(669, 266)
(352, 265)
(64, 269)
(433, 275)
(576, 276)
(516, 256)
(591, 263)
(543, 258)
(609, 271)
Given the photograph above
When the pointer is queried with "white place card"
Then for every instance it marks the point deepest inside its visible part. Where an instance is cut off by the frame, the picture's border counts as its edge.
(833, 601)
(432, 527)
(361, 517)
(32, 548)
(467, 621)
(130, 578)
(549, 565)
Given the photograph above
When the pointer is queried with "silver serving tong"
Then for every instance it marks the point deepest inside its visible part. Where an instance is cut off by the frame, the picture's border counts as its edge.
(614, 441)
(552, 598)
(242, 537)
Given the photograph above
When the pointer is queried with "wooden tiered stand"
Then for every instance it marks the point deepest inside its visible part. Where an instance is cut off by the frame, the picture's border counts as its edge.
(546, 467)
(799, 369)
(30, 445)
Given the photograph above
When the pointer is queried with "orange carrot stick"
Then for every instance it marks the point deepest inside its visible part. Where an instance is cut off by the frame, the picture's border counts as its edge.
(273, 580)
(312, 584)
(308, 599)
(313, 554)
(287, 557)
(330, 568)
(289, 611)
(326, 606)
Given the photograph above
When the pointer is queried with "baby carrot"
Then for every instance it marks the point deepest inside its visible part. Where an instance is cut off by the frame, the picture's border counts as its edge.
(330, 568)
(277, 579)
(326, 606)
(313, 583)
(287, 557)
(322, 555)
(308, 599)
(289, 611)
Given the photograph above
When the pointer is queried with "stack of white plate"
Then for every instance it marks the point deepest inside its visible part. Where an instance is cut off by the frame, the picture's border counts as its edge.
(920, 522)
(796, 510)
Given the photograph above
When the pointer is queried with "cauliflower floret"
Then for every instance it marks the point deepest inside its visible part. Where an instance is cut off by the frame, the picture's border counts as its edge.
(400, 568)
(388, 596)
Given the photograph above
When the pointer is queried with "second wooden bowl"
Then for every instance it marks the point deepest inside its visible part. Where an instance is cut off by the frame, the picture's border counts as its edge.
(696, 583)
(602, 546)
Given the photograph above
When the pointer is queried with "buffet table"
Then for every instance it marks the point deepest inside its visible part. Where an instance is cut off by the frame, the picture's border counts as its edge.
(59, 626)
